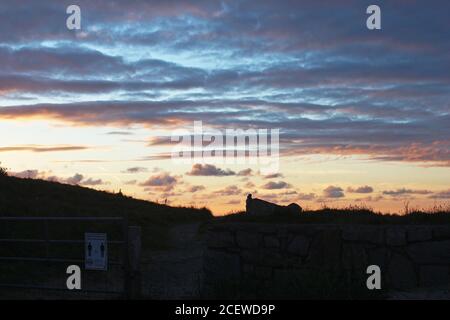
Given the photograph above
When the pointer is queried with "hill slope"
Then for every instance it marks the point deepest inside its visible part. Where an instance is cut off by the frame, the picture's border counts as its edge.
(28, 197)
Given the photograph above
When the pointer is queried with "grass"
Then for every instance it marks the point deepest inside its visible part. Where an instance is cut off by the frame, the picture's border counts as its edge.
(351, 215)
(3, 171)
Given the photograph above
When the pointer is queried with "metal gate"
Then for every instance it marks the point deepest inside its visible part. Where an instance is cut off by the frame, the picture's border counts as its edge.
(35, 252)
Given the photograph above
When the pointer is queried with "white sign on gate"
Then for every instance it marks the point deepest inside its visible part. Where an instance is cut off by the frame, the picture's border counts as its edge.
(96, 251)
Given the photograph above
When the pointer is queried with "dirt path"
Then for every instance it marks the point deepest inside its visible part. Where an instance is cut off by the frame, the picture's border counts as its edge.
(175, 273)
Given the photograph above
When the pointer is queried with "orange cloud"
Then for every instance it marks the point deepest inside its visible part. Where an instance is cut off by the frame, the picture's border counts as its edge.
(40, 148)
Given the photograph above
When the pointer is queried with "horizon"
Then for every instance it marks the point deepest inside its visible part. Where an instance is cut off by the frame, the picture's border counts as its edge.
(363, 115)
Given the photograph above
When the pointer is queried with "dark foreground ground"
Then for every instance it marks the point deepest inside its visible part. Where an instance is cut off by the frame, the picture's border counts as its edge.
(173, 241)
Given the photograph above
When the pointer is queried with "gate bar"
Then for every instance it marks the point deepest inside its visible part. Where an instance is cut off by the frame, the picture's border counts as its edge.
(112, 263)
(62, 218)
(56, 241)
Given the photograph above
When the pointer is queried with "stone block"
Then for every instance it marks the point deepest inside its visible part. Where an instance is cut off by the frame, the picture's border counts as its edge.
(354, 257)
(325, 250)
(431, 252)
(401, 273)
(274, 258)
(223, 239)
(379, 257)
(248, 268)
(263, 272)
(299, 245)
(434, 276)
(271, 242)
(417, 234)
(369, 234)
(247, 240)
(221, 266)
(251, 256)
(289, 275)
(441, 232)
(396, 236)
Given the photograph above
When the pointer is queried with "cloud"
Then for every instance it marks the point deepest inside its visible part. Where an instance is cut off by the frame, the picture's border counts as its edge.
(229, 191)
(76, 179)
(441, 195)
(92, 182)
(404, 191)
(273, 176)
(196, 188)
(39, 148)
(28, 174)
(333, 192)
(163, 181)
(135, 170)
(272, 185)
(306, 196)
(209, 170)
(362, 189)
(119, 133)
(370, 199)
(160, 141)
(422, 139)
(245, 172)
(249, 185)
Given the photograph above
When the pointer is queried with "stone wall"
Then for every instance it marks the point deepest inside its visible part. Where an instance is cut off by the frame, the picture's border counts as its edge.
(268, 254)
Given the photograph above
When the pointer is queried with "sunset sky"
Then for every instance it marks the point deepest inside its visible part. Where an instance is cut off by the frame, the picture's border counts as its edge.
(364, 115)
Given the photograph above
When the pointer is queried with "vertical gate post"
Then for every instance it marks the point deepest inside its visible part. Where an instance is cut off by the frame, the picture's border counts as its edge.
(134, 263)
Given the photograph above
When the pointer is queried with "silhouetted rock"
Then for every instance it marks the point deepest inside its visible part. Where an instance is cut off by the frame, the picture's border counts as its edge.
(294, 208)
(260, 207)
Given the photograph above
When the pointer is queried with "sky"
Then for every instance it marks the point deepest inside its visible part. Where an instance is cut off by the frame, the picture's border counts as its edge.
(363, 115)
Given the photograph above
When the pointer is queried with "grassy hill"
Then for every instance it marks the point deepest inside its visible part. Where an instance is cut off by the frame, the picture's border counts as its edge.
(350, 215)
(28, 197)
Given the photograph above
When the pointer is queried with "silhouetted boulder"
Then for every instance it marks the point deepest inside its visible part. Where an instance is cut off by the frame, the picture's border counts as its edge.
(294, 208)
(258, 207)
